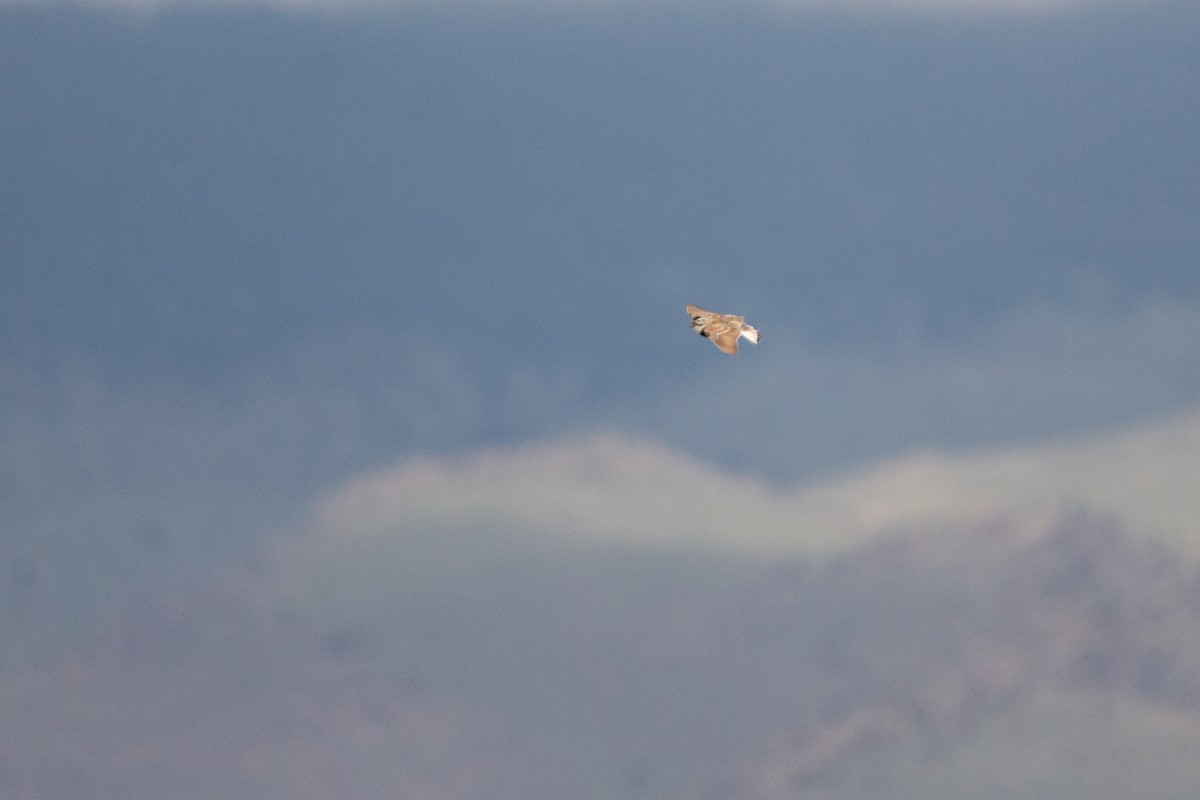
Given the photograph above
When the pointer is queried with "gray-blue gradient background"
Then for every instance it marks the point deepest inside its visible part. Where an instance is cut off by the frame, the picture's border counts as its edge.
(248, 253)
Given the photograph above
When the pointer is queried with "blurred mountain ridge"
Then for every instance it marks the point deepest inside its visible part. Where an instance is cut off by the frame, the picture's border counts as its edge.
(616, 488)
(927, 663)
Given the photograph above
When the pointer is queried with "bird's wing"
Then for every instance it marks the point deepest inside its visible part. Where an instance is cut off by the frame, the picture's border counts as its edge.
(726, 340)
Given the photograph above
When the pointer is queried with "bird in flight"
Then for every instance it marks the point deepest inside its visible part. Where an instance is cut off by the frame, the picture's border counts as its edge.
(722, 329)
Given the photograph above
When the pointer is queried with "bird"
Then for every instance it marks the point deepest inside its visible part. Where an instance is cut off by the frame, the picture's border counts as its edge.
(722, 329)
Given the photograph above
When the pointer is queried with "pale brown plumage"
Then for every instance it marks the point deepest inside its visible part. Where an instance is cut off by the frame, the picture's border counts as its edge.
(723, 329)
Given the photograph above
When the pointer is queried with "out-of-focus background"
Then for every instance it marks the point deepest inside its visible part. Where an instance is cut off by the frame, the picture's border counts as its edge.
(354, 444)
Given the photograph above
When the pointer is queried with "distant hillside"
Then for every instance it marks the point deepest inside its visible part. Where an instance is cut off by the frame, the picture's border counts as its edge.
(989, 661)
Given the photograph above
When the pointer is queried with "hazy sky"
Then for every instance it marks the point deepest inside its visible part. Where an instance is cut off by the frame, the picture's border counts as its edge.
(248, 256)
(894, 5)
(346, 385)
